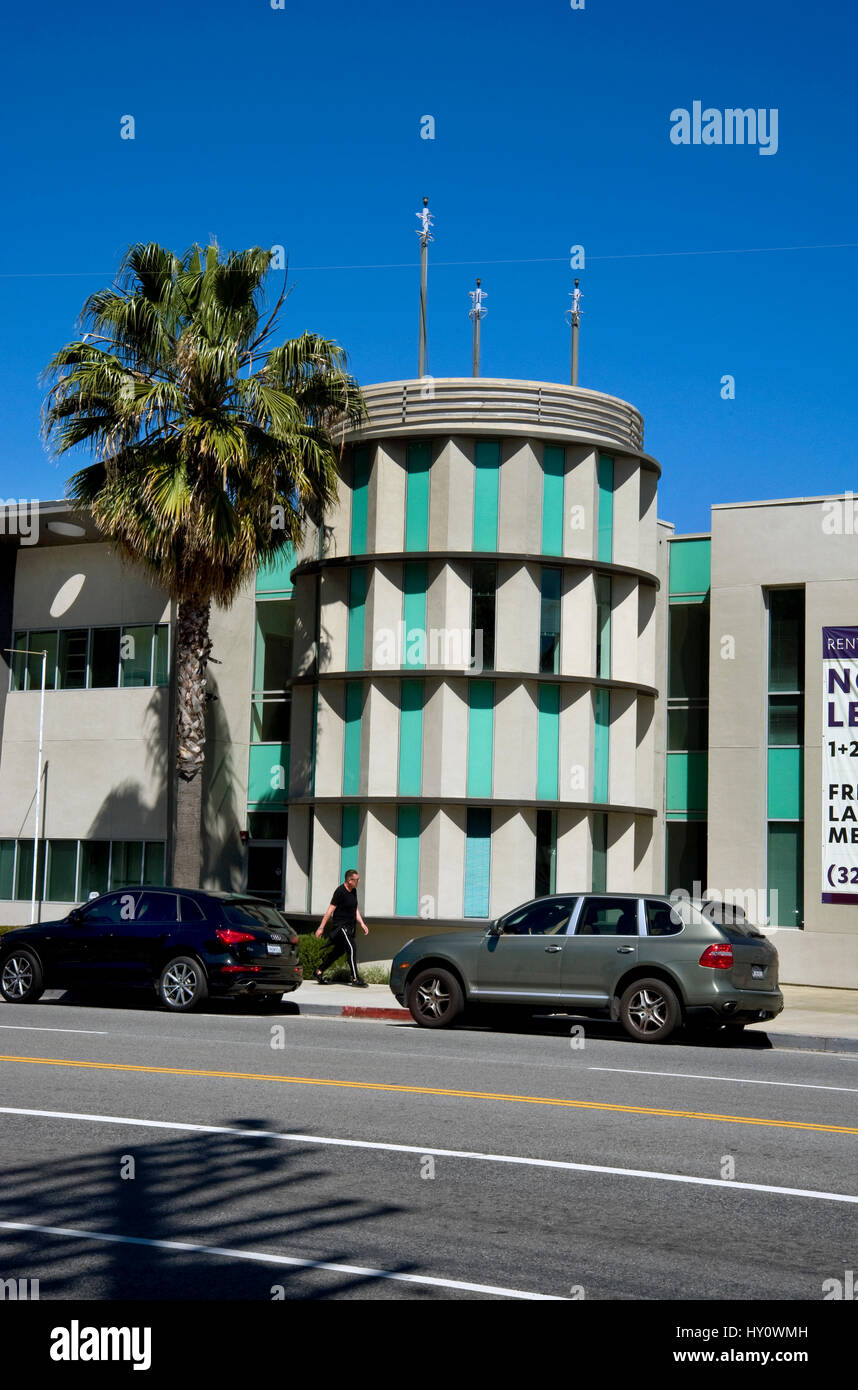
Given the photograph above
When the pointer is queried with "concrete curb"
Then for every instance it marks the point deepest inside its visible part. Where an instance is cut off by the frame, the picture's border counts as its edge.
(355, 1011)
(807, 1043)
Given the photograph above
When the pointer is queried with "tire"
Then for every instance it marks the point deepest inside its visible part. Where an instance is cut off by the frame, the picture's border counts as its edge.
(22, 979)
(649, 1011)
(435, 998)
(182, 985)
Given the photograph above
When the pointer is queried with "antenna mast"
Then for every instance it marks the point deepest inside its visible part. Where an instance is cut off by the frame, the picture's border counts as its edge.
(477, 313)
(425, 235)
(575, 320)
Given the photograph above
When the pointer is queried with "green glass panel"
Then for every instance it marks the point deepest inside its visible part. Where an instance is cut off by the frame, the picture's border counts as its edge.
(549, 621)
(360, 500)
(62, 871)
(478, 853)
(481, 722)
(601, 743)
(486, 487)
(604, 592)
(785, 799)
(687, 782)
(352, 738)
(268, 773)
(599, 871)
(275, 575)
(126, 863)
(786, 720)
(690, 566)
(605, 480)
(786, 639)
(407, 861)
(548, 701)
(37, 643)
(7, 869)
(411, 738)
(94, 866)
(161, 663)
(19, 661)
(135, 656)
(73, 650)
(786, 876)
(553, 467)
(154, 863)
(688, 652)
(419, 458)
(357, 615)
(349, 839)
(24, 884)
(414, 578)
(688, 729)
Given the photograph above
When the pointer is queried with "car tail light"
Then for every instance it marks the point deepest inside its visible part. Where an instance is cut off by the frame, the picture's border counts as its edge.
(240, 969)
(230, 937)
(718, 957)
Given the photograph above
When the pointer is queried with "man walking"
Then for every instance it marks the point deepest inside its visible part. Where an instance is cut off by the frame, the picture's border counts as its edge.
(338, 926)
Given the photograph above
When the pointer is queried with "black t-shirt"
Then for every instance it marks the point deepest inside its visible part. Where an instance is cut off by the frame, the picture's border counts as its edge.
(344, 902)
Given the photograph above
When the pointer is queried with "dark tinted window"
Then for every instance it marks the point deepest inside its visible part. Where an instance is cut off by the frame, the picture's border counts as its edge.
(549, 918)
(661, 919)
(104, 657)
(191, 910)
(157, 907)
(609, 917)
(114, 910)
(731, 919)
(253, 914)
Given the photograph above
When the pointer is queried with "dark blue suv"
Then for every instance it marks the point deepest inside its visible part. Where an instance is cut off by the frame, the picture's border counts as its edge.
(185, 943)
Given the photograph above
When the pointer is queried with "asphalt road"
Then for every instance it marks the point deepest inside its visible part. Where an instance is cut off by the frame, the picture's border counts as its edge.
(228, 1154)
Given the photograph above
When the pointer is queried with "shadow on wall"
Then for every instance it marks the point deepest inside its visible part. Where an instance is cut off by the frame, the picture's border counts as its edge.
(124, 814)
(223, 811)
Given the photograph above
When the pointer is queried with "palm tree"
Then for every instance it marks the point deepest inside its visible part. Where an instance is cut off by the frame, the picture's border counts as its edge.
(212, 447)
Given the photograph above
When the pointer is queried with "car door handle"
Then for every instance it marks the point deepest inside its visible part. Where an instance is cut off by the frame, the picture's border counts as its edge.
(549, 949)
(624, 950)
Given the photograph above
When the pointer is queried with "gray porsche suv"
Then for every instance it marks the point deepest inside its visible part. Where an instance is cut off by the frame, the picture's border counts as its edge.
(652, 963)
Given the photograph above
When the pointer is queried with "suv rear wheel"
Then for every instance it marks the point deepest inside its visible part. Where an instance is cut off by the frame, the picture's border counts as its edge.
(649, 1011)
(435, 998)
(182, 984)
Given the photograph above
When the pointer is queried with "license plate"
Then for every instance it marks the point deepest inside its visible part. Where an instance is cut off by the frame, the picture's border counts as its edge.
(275, 950)
(757, 972)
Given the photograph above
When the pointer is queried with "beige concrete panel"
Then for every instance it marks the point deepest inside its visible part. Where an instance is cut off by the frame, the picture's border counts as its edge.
(620, 876)
(338, 519)
(578, 624)
(82, 586)
(579, 537)
(624, 628)
(648, 642)
(647, 524)
(301, 744)
(513, 861)
(297, 859)
(386, 500)
(327, 830)
(330, 726)
(794, 542)
(334, 625)
(445, 739)
(385, 637)
(815, 958)
(448, 619)
(452, 824)
(645, 879)
(574, 775)
(517, 618)
(381, 726)
(304, 597)
(378, 885)
(516, 740)
(622, 763)
(737, 819)
(574, 851)
(430, 862)
(626, 511)
(649, 773)
(451, 496)
(520, 498)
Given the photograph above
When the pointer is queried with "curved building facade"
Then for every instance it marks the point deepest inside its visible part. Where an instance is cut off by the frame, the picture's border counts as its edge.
(474, 677)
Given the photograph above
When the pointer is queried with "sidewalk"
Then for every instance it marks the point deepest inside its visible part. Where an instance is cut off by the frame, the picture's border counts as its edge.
(818, 1020)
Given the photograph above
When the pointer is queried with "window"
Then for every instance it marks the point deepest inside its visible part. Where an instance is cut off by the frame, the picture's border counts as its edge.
(686, 856)
(608, 917)
(62, 871)
(253, 914)
(39, 642)
(478, 833)
(74, 646)
(785, 763)
(99, 658)
(418, 460)
(104, 663)
(157, 907)
(549, 622)
(540, 919)
(190, 909)
(599, 867)
(661, 919)
(786, 639)
(73, 870)
(484, 582)
(111, 911)
(604, 591)
(126, 863)
(546, 853)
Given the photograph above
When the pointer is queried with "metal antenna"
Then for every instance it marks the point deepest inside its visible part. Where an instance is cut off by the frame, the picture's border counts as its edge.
(574, 317)
(477, 313)
(425, 235)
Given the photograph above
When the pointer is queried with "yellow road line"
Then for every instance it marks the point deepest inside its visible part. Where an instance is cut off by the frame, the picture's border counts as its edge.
(434, 1091)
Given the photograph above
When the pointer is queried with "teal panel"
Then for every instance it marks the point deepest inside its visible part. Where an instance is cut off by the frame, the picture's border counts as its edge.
(414, 614)
(604, 594)
(7, 869)
(601, 744)
(481, 730)
(478, 854)
(274, 577)
(349, 839)
(360, 500)
(486, 485)
(690, 566)
(419, 458)
(785, 799)
(268, 774)
(411, 738)
(553, 468)
(687, 782)
(605, 480)
(407, 861)
(786, 875)
(548, 759)
(357, 613)
(351, 738)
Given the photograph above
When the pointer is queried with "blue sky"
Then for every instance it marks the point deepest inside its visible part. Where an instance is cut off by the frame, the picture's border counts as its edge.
(301, 127)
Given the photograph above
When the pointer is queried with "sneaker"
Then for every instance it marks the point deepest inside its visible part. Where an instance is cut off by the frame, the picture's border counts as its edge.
(358, 984)
(320, 979)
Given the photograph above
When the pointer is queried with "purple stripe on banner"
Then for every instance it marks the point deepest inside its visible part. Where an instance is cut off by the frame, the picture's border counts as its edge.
(840, 897)
(839, 643)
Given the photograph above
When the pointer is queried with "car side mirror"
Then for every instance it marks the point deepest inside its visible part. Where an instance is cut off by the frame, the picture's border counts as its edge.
(496, 929)
(75, 916)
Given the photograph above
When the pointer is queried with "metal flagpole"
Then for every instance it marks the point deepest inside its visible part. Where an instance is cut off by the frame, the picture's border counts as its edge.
(425, 235)
(575, 320)
(477, 313)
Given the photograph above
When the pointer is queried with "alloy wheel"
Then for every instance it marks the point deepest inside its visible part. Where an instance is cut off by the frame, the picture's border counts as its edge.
(432, 999)
(180, 983)
(17, 976)
(648, 1011)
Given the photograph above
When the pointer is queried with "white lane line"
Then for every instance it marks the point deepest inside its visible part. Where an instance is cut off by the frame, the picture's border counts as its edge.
(262, 1257)
(737, 1080)
(32, 1028)
(521, 1161)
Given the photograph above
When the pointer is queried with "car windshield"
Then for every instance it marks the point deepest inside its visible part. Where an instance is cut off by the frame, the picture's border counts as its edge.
(253, 914)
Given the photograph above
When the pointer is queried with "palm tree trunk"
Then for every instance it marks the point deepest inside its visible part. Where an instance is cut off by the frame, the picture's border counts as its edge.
(193, 646)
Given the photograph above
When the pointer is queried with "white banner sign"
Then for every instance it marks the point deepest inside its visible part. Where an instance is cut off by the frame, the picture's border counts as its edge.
(840, 764)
